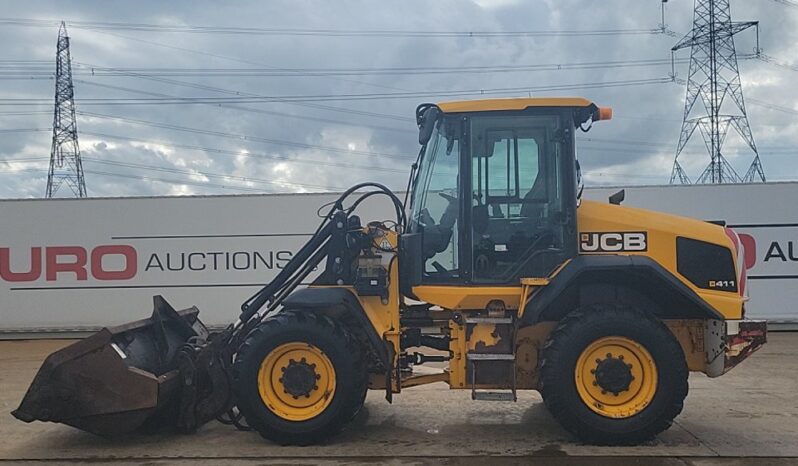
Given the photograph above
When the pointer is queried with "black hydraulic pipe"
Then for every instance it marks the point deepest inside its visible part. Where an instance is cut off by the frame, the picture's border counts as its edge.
(256, 301)
(259, 299)
(282, 293)
(397, 203)
(417, 321)
(434, 341)
(296, 280)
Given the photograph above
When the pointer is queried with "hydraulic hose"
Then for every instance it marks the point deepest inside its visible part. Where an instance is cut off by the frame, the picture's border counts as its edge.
(313, 252)
(256, 301)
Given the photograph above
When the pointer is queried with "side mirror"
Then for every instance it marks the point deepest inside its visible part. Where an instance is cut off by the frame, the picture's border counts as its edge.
(618, 197)
(427, 124)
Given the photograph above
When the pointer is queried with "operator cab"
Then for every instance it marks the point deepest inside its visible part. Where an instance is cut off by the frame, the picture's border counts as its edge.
(506, 168)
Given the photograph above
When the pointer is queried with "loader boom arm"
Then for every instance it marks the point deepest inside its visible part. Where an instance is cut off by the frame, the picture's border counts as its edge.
(331, 234)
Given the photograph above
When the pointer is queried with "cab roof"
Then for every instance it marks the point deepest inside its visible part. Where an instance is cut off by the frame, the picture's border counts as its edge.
(518, 103)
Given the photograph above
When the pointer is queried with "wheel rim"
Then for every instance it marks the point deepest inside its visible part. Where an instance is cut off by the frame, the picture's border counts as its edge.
(296, 381)
(616, 377)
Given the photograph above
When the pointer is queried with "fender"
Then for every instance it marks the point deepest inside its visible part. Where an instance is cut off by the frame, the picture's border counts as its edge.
(342, 304)
(639, 279)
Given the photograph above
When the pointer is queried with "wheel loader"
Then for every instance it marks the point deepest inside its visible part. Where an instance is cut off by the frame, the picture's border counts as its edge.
(492, 269)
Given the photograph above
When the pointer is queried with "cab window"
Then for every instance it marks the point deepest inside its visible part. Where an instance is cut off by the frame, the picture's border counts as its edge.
(515, 200)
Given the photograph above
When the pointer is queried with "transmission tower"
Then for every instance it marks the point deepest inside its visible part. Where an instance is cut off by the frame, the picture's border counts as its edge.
(715, 77)
(65, 165)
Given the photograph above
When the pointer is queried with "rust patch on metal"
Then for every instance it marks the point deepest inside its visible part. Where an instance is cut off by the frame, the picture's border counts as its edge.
(529, 344)
(482, 338)
(752, 335)
(690, 334)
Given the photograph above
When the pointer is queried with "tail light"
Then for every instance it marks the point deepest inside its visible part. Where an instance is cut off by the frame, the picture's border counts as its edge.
(742, 260)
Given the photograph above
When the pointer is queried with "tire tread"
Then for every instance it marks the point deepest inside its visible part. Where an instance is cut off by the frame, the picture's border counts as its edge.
(327, 325)
(556, 400)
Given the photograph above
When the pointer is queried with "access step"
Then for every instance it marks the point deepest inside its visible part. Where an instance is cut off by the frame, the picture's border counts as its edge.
(493, 396)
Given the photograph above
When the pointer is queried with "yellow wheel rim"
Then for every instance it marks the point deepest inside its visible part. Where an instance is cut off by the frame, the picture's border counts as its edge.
(296, 381)
(616, 377)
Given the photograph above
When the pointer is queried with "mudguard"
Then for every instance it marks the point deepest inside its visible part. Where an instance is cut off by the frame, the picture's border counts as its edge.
(647, 280)
(339, 303)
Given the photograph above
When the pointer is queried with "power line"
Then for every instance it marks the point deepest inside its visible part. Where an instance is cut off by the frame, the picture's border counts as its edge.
(623, 142)
(173, 181)
(371, 33)
(288, 159)
(234, 59)
(271, 112)
(250, 62)
(249, 94)
(241, 153)
(203, 184)
(146, 27)
(781, 64)
(25, 130)
(772, 106)
(100, 71)
(346, 97)
(2, 114)
(25, 160)
(240, 93)
(760, 103)
(787, 3)
(247, 138)
(584, 143)
(776, 62)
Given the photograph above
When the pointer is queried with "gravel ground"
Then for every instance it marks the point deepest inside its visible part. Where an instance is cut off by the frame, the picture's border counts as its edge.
(750, 412)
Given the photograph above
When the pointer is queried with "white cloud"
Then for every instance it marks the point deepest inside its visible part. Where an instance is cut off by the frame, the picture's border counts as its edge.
(153, 147)
(495, 3)
(308, 147)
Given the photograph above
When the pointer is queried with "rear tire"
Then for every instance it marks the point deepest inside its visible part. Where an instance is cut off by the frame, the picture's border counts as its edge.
(298, 378)
(587, 387)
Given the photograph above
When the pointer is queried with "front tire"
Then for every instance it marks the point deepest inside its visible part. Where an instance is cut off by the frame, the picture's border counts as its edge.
(613, 375)
(298, 378)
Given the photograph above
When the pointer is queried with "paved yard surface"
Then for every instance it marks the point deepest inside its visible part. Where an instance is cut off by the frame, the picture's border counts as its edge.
(750, 412)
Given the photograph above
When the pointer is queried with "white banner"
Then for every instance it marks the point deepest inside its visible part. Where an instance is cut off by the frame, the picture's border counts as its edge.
(77, 264)
(82, 264)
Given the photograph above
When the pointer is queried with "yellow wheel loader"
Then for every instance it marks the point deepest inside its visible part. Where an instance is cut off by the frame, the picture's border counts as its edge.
(493, 268)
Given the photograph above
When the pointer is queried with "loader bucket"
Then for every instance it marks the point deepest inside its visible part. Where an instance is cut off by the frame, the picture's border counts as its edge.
(116, 380)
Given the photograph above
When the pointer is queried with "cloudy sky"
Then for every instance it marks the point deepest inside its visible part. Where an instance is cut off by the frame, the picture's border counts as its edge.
(312, 53)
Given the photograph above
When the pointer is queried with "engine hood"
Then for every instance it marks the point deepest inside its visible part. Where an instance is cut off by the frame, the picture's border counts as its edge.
(702, 255)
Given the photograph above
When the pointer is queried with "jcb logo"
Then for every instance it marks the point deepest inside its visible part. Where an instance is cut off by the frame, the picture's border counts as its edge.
(630, 241)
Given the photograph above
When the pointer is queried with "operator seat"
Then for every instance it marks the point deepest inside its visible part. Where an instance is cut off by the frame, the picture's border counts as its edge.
(533, 201)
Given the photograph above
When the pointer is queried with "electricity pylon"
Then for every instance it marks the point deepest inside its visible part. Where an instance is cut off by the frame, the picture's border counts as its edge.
(65, 165)
(714, 77)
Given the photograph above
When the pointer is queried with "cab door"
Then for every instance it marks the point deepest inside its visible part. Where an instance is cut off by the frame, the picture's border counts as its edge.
(521, 196)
